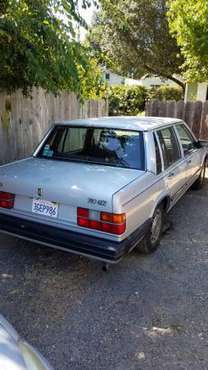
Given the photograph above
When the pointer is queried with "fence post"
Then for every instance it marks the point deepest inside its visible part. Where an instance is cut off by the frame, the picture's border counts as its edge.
(148, 108)
(197, 118)
(188, 113)
(162, 109)
(180, 109)
(204, 122)
(171, 108)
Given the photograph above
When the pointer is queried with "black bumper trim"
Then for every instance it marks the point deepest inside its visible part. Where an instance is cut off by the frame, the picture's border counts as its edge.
(74, 242)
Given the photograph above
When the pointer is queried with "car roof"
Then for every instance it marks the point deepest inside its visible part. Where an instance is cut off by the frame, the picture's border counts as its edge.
(137, 123)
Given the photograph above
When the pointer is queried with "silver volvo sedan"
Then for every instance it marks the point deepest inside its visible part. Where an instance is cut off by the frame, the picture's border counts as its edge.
(98, 187)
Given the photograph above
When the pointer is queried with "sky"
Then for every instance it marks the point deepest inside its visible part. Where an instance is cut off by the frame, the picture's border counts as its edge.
(87, 15)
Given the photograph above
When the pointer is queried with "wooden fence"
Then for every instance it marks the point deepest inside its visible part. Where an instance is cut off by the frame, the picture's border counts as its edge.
(24, 120)
(195, 114)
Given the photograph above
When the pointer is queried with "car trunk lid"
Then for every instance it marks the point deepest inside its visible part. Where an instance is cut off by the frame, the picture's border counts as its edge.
(70, 184)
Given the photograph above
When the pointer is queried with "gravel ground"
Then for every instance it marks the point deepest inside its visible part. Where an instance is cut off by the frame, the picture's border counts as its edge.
(148, 312)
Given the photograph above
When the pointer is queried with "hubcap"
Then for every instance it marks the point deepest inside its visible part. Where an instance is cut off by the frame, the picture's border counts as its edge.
(156, 226)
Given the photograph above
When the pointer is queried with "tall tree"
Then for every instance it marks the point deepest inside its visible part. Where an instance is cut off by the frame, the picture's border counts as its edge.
(134, 36)
(189, 23)
(38, 47)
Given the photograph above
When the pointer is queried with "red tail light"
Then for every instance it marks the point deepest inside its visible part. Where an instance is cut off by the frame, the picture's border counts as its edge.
(108, 222)
(6, 200)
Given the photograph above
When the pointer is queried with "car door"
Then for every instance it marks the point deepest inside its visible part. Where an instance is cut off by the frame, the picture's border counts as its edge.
(174, 166)
(192, 154)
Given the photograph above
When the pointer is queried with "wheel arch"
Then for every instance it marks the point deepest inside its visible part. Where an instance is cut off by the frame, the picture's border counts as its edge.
(164, 200)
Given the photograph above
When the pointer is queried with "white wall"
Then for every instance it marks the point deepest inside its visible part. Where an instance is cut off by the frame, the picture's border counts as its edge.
(196, 91)
(202, 91)
(114, 79)
(149, 82)
(132, 82)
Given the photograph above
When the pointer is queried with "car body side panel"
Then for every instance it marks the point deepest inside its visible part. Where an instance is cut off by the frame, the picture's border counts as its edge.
(139, 199)
(10, 355)
(194, 159)
(175, 178)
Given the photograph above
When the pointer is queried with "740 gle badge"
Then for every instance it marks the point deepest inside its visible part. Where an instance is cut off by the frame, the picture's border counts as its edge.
(100, 202)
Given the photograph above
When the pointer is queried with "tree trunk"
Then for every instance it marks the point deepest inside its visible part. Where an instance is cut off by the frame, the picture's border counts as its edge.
(177, 81)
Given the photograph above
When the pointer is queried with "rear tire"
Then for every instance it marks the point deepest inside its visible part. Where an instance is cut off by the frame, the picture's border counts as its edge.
(152, 239)
(198, 184)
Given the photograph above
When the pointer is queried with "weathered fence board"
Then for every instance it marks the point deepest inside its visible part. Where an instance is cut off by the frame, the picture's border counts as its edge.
(195, 114)
(24, 120)
(204, 119)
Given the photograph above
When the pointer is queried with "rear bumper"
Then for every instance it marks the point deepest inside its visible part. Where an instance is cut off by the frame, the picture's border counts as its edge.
(98, 248)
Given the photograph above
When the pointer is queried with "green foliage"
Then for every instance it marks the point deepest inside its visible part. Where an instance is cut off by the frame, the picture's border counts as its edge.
(188, 21)
(130, 100)
(126, 100)
(165, 93)
(133, 38)
(38, 48)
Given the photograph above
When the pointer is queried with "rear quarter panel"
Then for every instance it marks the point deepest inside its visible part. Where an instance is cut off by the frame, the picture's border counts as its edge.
(139, 199)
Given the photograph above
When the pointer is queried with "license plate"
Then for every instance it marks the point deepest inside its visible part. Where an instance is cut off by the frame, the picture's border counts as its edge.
(45, 208)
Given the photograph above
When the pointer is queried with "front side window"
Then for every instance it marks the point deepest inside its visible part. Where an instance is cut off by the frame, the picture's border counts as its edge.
(187, 140)
(169, 145)
(113, 147)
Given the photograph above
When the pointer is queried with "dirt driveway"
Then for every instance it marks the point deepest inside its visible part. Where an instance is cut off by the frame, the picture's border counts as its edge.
(146, 313)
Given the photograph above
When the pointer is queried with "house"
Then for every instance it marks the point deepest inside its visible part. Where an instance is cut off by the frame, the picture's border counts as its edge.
(196, 91)
(147, 81)
(150, 81)
(115, 79)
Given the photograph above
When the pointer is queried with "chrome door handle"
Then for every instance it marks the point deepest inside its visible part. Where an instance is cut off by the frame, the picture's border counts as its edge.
(171, 174)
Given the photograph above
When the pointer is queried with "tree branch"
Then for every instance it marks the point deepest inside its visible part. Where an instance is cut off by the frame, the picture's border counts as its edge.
(177, 81)
(172, 78)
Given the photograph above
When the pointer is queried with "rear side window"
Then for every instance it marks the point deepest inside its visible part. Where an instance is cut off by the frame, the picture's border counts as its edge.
(169, 145)
(158, 157)
(107, 146)
(187, 140)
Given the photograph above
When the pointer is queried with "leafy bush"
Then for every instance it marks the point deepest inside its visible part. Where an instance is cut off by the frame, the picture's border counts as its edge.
(165, 93)
(126, 100)
(130, 100)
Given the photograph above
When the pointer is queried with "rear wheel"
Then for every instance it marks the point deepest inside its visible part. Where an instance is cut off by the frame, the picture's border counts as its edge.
(151, 241)
(198, 184)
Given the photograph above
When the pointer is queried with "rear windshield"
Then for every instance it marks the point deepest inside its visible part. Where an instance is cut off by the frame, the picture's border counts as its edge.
(107, 146)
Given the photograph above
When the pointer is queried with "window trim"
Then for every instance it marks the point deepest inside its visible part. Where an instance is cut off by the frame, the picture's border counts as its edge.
(172, 126)
(187, 129)
(155, 137)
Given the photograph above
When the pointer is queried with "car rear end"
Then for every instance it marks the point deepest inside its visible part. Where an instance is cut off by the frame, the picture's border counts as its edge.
(63, 197)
